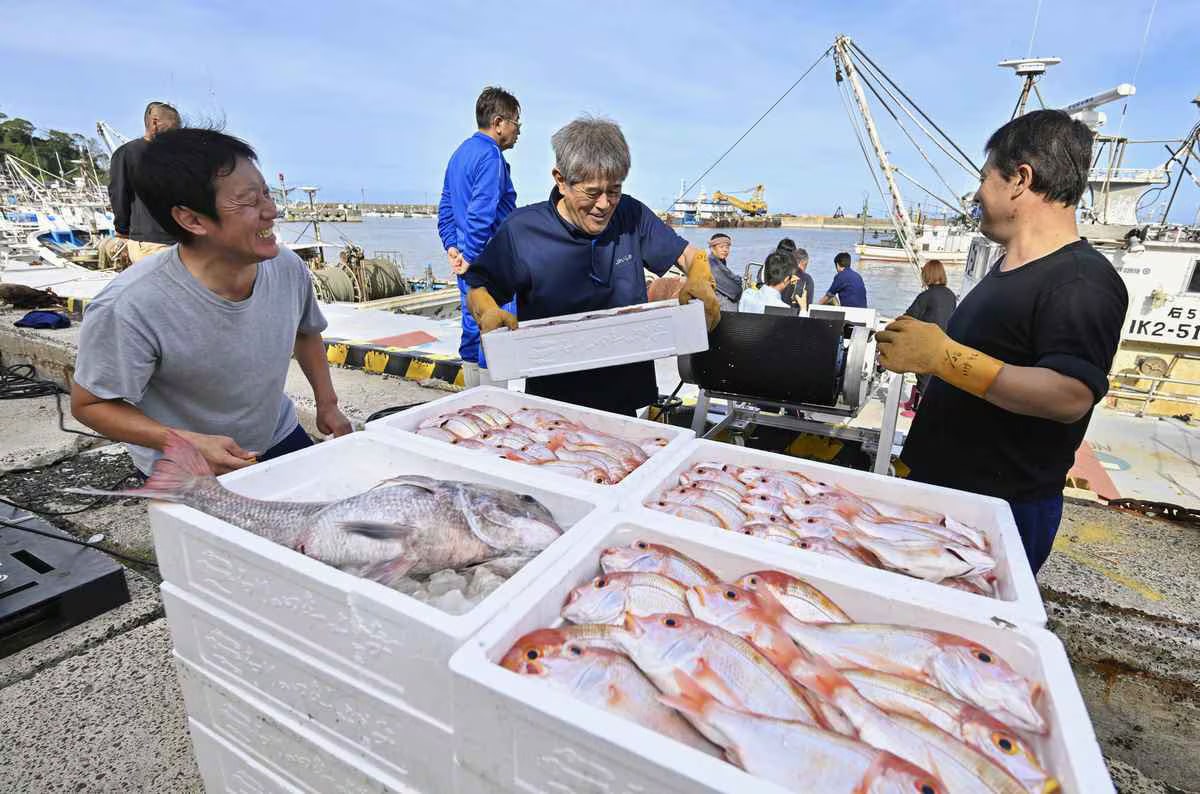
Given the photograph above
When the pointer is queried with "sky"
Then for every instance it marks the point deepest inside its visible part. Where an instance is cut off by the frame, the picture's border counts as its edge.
(372, 97)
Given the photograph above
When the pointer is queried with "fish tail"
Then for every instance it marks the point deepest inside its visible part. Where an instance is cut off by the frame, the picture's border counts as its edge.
(179, 473)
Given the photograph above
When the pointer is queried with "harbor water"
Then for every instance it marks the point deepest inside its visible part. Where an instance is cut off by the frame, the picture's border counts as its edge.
(891, 286)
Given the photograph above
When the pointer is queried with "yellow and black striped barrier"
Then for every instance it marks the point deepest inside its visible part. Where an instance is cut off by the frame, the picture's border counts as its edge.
(399, 362)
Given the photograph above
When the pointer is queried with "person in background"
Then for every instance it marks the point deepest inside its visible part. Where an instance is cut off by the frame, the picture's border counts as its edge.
(806, 288)
(729, 286)
(199, 337)
(788, 246)
(585, 248)
(477, 195)
(847, 287)
(1026, 355)
(779, 273)
(132, 221)
(934, 305)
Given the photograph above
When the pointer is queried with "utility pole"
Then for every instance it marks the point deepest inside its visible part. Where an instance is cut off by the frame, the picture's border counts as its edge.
(899, 215)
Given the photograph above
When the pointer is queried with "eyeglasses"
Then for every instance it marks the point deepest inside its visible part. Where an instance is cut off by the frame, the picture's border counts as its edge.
(515, 122)
(593, 194)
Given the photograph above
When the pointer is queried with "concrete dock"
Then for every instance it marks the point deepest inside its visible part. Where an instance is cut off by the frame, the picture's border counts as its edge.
(98, 708)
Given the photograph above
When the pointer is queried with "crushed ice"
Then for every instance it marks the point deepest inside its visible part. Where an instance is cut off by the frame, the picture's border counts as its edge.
(452, 591)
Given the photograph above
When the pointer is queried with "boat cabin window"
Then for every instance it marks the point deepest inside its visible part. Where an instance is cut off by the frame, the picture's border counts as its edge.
(1194, 279)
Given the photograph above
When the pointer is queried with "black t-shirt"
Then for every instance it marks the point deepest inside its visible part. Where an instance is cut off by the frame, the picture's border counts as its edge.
(130, 215)
(1063, 312)
(934, 305)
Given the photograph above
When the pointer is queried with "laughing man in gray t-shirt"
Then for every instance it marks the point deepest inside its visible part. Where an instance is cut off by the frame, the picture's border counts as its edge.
(198, 337)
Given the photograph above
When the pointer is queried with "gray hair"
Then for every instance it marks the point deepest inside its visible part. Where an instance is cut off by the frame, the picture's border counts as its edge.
(591, 148)
(801, 256)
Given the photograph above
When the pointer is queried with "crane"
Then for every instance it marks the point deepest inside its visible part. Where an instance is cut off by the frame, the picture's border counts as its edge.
(754, 206)
(112, 139)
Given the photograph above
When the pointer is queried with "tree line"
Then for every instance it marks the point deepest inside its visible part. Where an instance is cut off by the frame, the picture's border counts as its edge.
(59, 153)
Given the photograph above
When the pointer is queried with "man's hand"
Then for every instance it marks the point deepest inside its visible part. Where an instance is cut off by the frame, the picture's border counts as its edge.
(909, 345)
(458, 264)
(487, 313)
(331, 421)
(701, 286)
(222, 452)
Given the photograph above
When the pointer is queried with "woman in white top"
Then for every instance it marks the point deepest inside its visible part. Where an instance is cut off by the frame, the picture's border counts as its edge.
(779, 273)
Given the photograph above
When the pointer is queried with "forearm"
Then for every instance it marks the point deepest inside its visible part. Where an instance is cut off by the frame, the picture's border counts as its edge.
(309, 352)
(1040, 392)
(118, 420)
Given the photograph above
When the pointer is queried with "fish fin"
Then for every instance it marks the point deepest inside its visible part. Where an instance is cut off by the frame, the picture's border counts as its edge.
(692, 697)
(705, 674)
(176, 475)
(387, 573)
(416, 481)
(376, 530)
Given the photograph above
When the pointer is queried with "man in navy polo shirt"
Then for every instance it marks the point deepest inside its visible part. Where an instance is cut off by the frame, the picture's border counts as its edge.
(585, 249)
(847, 286)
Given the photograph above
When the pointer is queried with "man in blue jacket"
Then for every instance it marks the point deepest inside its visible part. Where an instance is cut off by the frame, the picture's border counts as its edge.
(477, 195)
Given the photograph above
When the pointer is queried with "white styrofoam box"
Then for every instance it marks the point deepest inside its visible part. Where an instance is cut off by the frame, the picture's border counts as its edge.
(368, 724)
(625, 427)
(1019, 598)
(227, 770)
(602, 338)
(517, 734)
(375, 634)
(285, 747)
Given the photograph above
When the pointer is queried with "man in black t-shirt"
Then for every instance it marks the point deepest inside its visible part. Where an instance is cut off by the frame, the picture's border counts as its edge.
(131, 219)
(1026, 354)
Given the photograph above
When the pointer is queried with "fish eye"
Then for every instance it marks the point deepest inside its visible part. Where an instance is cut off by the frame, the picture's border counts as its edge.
(641, 544)
(983, 656)
(804, 544)
(531, 654)
(1005, 743)
(731, 595)
(575, 650)
(753, 580)
(527, 498)
(747, 531)
(525, 448)
(812, 520)
(670, 622)
(927, 788)
(601, 582)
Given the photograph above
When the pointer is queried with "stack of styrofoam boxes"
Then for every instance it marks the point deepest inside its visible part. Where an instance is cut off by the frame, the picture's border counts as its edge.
(298, 676)
(604, 338)
(1017, 598)
(519, 735)
(678, 439)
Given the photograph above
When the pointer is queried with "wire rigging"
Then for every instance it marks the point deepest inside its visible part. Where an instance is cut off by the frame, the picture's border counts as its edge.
(774, 104)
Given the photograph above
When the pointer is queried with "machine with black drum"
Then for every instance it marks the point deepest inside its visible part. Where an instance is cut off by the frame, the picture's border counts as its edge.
(811, 372)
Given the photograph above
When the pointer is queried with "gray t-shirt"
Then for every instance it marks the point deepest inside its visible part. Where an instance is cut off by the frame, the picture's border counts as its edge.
(158, 339)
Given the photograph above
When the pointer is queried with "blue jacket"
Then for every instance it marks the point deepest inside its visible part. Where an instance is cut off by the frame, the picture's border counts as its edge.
(477, 195)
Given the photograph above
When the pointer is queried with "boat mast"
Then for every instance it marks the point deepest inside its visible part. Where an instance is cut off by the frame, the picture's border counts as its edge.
(899, 215)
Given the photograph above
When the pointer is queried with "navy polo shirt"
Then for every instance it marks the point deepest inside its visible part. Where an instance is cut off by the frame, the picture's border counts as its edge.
(555, 268)
(849, 288)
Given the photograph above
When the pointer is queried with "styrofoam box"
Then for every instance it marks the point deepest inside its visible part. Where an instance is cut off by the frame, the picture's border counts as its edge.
(389, 642)
(282, 746)
(625, 427)
(227, 770)
(1019, 598)
(366, 723)
(521, 735)
(594, 339)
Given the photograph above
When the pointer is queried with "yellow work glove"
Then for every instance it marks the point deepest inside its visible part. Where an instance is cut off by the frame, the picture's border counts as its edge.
(909, 345)
(700, 285)
(486, 312)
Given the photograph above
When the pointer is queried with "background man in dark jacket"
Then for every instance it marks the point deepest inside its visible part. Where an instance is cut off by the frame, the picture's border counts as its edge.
(131, 219)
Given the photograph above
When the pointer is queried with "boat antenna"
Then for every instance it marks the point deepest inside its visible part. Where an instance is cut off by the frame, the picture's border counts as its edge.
(1037, 14)
(774, 104)
(1138, 66)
